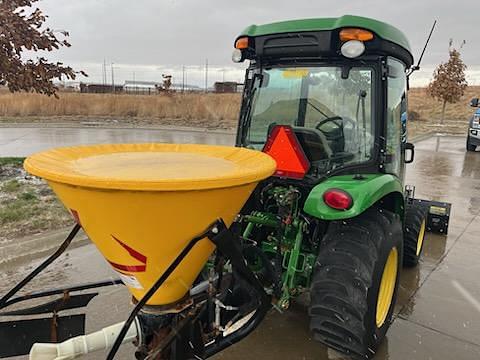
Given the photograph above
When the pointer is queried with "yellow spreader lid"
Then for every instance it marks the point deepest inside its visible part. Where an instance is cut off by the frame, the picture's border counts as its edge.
(147, 167)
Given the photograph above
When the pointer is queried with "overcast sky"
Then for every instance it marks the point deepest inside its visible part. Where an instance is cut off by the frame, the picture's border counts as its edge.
(151, 36)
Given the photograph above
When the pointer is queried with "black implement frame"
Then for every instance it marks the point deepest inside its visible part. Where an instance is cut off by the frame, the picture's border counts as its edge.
(224, 239)
(218, 233)
(47, 329)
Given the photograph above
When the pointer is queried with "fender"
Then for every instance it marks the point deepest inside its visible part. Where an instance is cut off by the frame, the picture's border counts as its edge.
(365, 191)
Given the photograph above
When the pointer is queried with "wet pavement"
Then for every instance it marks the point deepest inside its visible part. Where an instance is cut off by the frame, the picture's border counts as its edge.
(438, 308)
(23, 141)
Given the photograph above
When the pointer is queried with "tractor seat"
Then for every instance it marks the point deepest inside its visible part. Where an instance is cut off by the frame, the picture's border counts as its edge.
(314, 143)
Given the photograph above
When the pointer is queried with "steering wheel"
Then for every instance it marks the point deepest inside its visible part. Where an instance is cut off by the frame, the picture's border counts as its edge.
(338, 121)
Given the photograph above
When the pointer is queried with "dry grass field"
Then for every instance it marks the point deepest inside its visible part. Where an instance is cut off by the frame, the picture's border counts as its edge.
(197, 110)
(425, 113)
(218, 111)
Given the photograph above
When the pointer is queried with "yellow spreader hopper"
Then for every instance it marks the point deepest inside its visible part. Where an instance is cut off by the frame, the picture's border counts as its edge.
(142, 203)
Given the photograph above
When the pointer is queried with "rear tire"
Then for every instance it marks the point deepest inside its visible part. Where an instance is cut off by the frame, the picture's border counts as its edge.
(470, 147)
(414, 233)
(355, 253)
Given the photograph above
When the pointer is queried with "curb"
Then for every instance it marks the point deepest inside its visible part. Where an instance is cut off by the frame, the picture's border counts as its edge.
(35, 246)
(421, 137)
(93, 125)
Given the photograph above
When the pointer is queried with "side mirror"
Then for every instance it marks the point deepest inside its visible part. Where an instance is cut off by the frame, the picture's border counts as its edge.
(411, 148)
(474, 102)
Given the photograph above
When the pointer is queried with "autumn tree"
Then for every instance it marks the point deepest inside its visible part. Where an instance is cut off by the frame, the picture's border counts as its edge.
(23, 33)
(449, 83)
(167, 82)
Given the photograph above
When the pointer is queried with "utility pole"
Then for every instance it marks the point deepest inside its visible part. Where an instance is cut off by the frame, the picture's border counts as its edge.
(206, 75)
(104, 73)
(223, 75)
(134, 83)
(183, 79)
(113, 80)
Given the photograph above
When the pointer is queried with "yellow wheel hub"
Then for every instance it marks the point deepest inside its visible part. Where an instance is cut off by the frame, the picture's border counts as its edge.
(421, 235)
(387, 287)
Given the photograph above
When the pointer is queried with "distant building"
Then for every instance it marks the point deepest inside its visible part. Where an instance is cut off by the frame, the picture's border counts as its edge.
(100, 88)
(136, 87)
(141, 87)
(153, 87)
(227, 87)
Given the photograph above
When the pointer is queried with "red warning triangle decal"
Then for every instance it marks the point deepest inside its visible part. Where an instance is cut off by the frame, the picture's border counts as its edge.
(283, 146)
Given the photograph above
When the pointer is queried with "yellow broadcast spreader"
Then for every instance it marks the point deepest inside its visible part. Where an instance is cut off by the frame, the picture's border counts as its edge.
(161, 215)
(142, 203)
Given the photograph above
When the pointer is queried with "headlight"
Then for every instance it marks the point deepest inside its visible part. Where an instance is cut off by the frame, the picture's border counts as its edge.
(237, 55)
(476, 122)
(352, 49)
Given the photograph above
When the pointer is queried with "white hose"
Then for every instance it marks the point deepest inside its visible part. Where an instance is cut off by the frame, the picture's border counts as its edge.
(82, 345)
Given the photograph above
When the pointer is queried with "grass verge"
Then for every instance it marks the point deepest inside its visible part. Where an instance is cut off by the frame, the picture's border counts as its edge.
(27, 205)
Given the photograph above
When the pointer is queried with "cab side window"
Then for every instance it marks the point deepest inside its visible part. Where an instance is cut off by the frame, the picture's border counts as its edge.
(396, 116)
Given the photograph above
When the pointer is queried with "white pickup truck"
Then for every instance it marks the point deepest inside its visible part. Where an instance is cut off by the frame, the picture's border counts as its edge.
(473, 137)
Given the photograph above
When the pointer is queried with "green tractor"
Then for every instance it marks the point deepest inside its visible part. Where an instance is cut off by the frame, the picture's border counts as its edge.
(327, 99)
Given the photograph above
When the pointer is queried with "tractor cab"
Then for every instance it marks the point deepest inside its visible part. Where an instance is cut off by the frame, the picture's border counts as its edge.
(338, 84)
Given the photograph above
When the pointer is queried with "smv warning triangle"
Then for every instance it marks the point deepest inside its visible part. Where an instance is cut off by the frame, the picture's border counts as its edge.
(283, 146)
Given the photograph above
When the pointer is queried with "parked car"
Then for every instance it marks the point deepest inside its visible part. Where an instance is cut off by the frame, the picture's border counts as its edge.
(473, 136)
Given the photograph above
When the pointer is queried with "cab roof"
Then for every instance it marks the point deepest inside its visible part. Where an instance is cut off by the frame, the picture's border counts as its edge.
(381, 29)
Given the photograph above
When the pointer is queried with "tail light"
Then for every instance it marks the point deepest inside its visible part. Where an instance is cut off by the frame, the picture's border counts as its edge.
(338, 199)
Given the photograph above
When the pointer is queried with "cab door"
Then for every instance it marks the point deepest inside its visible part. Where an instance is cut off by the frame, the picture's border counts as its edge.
(396, 118)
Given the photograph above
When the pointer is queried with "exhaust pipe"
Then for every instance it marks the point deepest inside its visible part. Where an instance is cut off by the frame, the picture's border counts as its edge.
(85, 344)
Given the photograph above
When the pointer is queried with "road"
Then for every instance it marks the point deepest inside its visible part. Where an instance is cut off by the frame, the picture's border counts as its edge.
(438, 308)
(23, 141)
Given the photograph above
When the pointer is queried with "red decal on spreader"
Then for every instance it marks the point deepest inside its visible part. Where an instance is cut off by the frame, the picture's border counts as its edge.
(129, 268)
(135, 254)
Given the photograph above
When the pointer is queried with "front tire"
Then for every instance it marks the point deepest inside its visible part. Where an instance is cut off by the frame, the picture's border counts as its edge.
(355, 283)
(470, 147)
(414, 233)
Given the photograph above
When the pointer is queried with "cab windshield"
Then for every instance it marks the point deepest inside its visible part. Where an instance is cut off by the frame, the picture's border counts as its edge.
(329, 108)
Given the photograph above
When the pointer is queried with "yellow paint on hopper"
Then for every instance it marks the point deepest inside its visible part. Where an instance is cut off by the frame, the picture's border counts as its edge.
(154, 198)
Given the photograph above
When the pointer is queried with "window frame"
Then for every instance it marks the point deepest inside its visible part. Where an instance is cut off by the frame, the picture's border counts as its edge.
(375, 164)
(401, 166)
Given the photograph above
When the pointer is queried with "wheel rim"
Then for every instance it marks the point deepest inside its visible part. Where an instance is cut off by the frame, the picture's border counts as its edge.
(421, 235)
(387, 287)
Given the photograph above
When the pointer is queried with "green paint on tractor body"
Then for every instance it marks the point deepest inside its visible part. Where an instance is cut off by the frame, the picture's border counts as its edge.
(365, 190)
(384, 30)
